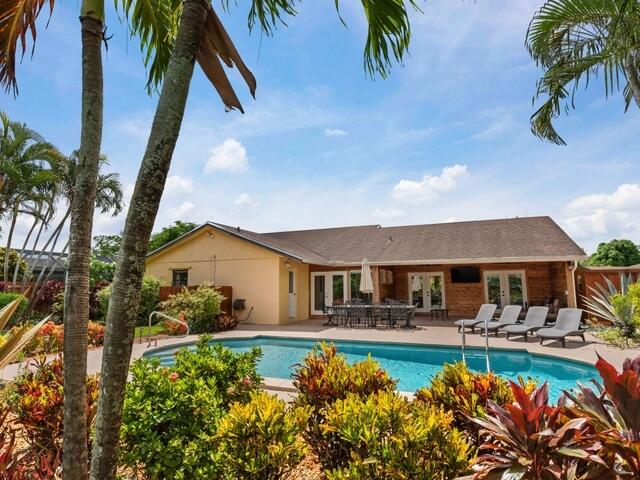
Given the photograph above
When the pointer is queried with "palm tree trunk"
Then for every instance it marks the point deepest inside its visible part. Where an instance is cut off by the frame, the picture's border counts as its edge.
(24, 247)
(76, 292)
(14, 217)
(125, 289)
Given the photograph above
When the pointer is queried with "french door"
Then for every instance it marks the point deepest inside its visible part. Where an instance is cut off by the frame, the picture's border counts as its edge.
(505, 288)
(426, 290)
(327, 288)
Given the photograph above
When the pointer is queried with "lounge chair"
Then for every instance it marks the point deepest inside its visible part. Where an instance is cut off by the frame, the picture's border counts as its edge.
(485, 313)
(536, 316)
(509, 316)
(567, 324)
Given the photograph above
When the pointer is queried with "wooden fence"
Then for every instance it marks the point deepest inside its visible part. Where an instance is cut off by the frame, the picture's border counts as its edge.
(226, 291)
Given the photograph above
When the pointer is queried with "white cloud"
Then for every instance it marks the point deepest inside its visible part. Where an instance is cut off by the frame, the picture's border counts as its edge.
(334, 132)
(177, 185)
(230, 156)
(429, 187)
(245, 199)
(181, 211)
(388, 213)
(605, 215)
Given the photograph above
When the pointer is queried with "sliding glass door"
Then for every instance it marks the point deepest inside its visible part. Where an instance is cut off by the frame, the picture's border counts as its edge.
(327, 288)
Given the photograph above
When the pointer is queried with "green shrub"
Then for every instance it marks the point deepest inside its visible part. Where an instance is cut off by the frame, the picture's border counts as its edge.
(384, 436)
(325, 377)
(260, 440)
(464, 393)
(149, 298)
(14, 258)
(170, 414)
(200, 307)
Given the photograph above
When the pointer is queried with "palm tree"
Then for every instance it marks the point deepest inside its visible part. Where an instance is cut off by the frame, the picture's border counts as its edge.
(575, 40)
(17, 20)
(199, 37)
(24, 158)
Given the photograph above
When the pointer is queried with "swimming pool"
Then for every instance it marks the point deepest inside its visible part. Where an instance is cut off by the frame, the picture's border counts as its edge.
(413, 365)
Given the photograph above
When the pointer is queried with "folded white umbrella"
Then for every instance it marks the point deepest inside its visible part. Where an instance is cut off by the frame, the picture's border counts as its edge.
(416, 285)
(366, 280)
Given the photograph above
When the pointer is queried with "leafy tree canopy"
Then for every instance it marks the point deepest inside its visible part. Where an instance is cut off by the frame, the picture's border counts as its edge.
(169, 234)
(107, 245)
(616, 253)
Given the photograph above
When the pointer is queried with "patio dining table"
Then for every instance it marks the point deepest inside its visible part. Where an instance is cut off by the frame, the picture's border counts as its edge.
(369, 309)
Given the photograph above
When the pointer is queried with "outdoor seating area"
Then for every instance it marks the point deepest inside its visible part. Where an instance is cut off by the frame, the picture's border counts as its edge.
(567, 323)
(355, 314)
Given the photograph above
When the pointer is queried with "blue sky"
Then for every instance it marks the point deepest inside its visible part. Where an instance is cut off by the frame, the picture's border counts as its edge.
(445, 138)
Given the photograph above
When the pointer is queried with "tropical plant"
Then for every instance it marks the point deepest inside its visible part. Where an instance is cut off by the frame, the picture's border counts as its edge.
(615, 253)
(533, 440)
(386, 437)
(621, 307)
(614, 411)
(169, 234)
(187, 400)
(575, 40)
(465, 394)
(16, 340)
(324, 377)
(200, 36)
(36, 401)
(200, 307)
(15, 261)
(260, 440)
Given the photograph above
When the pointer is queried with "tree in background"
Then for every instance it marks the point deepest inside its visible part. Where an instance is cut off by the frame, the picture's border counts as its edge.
(169, 234)
(576, 40)
(615, 253)
(107, 246)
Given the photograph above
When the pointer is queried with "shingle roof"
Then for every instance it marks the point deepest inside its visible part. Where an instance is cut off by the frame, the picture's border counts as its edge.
(513, 239)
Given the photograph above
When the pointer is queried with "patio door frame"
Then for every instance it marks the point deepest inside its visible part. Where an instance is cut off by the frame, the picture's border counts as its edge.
(426, 291)
(328, 288)
(505, 294)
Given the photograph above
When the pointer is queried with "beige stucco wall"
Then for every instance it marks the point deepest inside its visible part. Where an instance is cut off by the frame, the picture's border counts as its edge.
(256, 274)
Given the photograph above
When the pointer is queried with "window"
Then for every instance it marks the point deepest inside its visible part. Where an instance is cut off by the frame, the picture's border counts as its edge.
(180, 278)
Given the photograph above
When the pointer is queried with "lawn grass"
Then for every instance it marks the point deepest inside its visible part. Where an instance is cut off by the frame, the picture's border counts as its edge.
(156, 329)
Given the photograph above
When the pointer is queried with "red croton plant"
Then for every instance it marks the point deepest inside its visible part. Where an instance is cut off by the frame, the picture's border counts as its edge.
(587, 435)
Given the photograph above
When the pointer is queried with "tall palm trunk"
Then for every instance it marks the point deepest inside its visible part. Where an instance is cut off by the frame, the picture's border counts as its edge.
(76, 296)
(7, 250)
(125, 289)
(631, 71)
(21, 254)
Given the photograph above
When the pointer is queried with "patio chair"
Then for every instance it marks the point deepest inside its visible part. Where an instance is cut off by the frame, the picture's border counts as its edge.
(536, 316)
(485, 313)
(567, 325)
(509, 316)
(357, 315)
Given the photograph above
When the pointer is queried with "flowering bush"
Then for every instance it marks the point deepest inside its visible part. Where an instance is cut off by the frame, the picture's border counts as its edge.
(179, 439)
(200, 307)
(36, 400)
(386, 437)
(260, 440)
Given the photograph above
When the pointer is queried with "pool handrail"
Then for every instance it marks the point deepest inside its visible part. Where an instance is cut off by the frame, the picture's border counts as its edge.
(166, 317)
(486, 345)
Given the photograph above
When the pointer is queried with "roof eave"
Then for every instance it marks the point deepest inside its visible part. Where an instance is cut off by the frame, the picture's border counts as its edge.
(457, 261)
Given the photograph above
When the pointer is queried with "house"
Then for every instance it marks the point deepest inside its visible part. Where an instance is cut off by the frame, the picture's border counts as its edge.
(290, 276)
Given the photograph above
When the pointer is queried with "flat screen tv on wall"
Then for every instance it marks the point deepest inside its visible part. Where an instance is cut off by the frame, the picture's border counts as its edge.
(465, 275)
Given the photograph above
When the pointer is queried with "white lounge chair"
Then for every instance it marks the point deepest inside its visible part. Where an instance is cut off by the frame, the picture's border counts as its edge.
(484, 314)
(567, 325)
(536, 316)
(508, 316)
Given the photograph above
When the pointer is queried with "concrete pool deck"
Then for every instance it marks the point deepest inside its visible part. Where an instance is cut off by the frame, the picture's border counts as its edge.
(427, 332)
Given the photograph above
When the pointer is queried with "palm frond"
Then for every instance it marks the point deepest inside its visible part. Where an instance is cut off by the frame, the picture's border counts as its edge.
(17, 20)
(155, 22)
(8, 310)
(18, 340)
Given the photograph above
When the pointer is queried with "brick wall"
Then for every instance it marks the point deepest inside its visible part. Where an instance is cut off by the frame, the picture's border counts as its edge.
(544, 281)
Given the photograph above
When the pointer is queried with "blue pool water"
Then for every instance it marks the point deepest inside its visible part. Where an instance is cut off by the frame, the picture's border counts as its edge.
(412, 365)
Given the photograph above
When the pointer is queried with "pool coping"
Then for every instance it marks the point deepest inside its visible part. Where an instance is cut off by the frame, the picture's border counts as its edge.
(286, 385)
